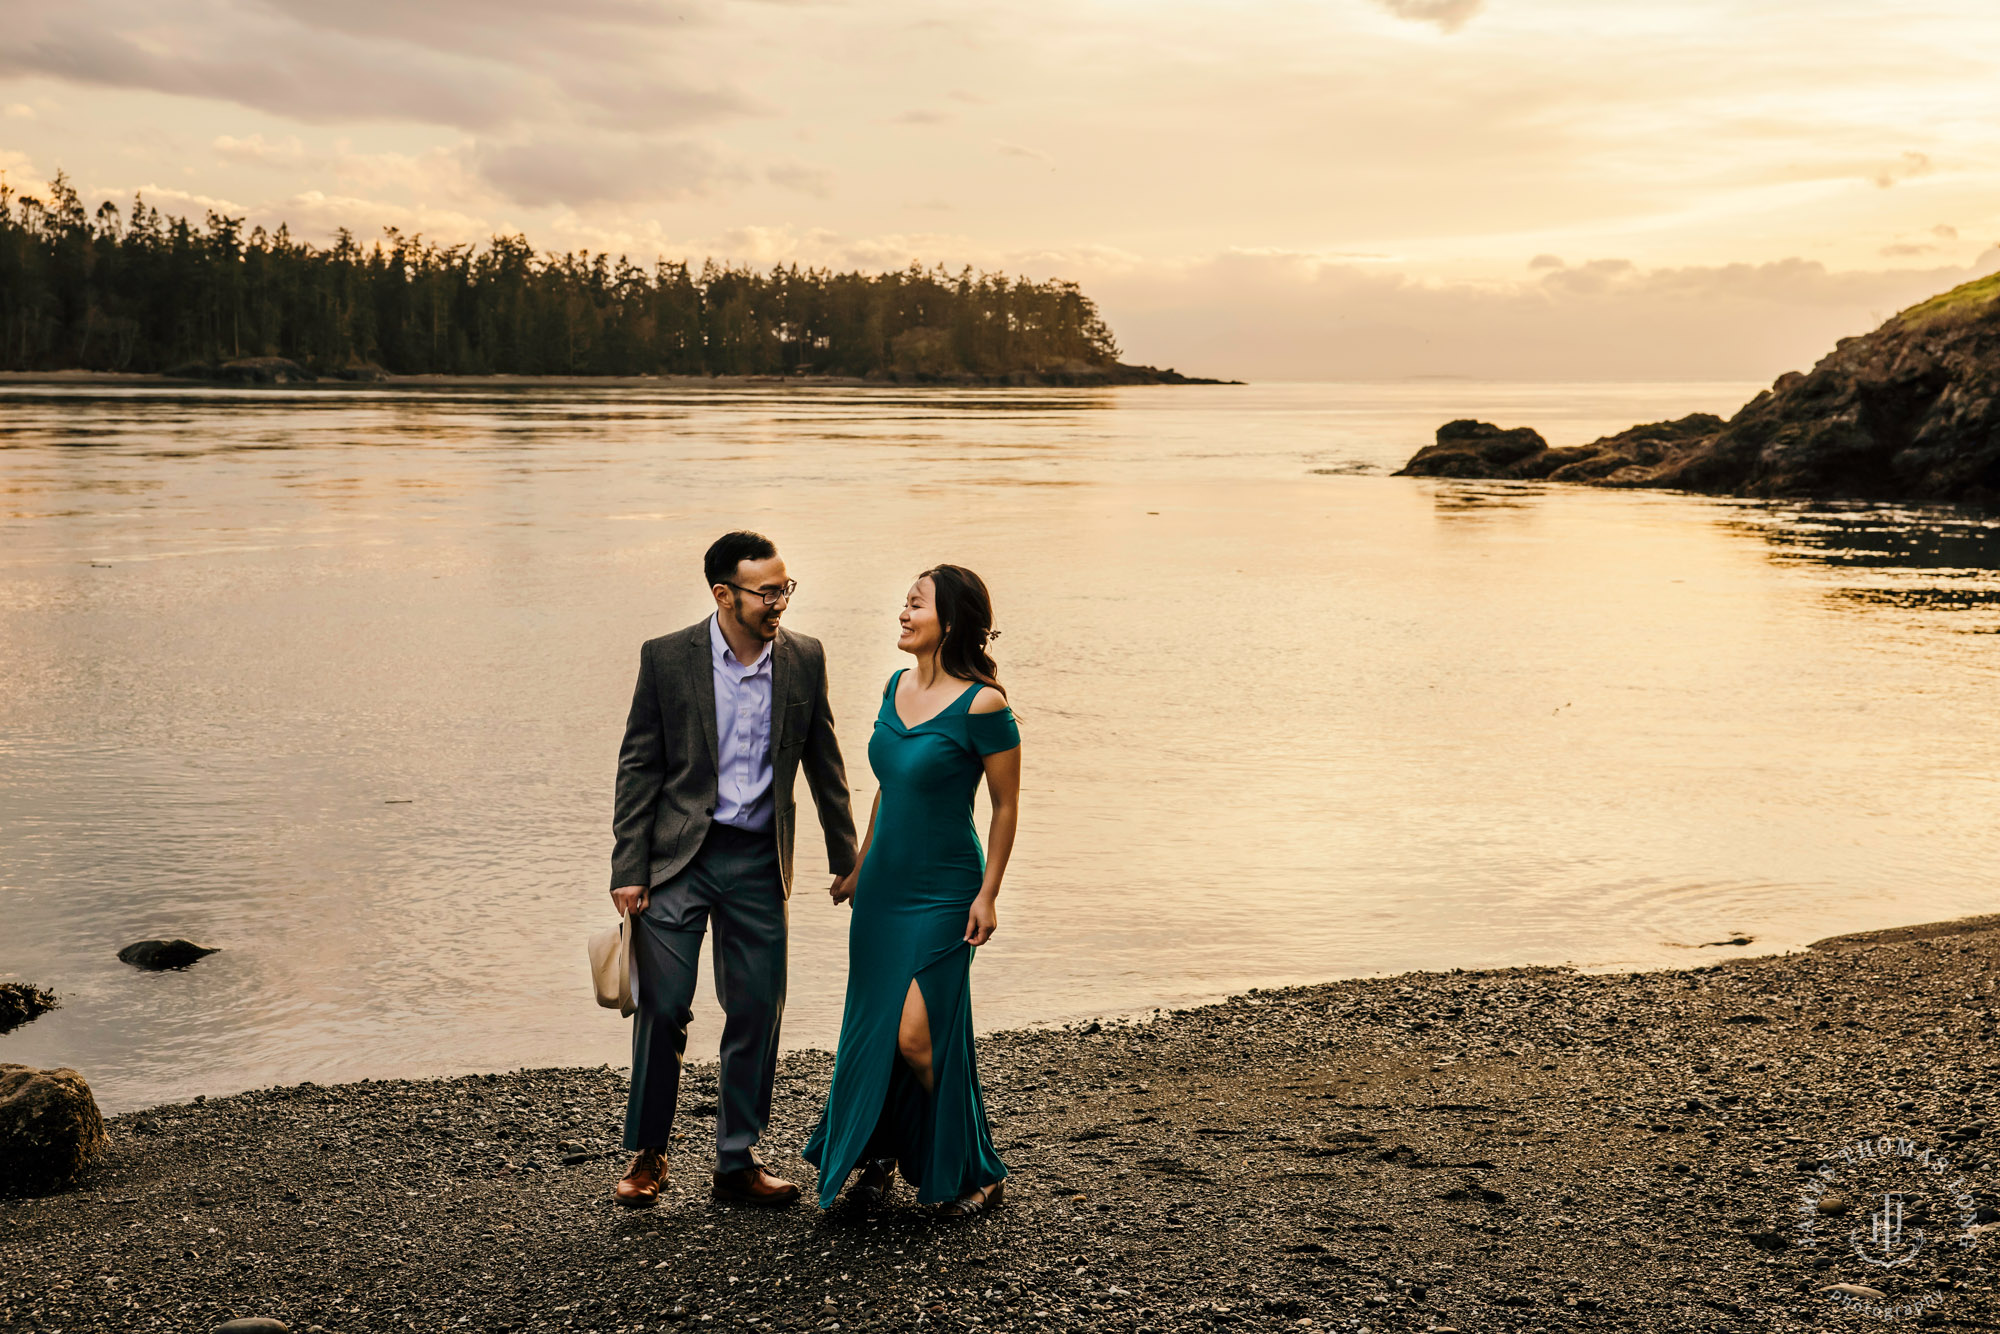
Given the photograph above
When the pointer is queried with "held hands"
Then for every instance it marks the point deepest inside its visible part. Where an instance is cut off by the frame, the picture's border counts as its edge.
(983, 921)
(629, 899)
(842, 888)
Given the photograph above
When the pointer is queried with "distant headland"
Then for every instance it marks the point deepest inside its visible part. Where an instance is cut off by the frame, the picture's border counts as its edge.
(1908, 412)
(141, 293)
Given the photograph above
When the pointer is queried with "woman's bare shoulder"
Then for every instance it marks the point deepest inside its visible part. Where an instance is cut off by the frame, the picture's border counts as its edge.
(988, 700)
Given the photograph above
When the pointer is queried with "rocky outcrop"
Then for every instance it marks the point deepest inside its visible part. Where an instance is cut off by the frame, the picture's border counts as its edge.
(1468, 448)
(159, 954)
(1481, 449)
(1909, 412)
(20, 1002)
(50, 1129)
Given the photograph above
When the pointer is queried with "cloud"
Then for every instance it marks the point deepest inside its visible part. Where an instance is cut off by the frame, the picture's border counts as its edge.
(1546, 262)
(446, 170)
(801, 177)
(921, 117)
(1297, 317)
(1909, 165)
(1019, 150)
(483, 67)
(20, 170)
(258, 151)
(251, 57)
(20, 111)
(1449, 15)
(315, 214)
(171, 200)
(599, 169)
(1944, 231)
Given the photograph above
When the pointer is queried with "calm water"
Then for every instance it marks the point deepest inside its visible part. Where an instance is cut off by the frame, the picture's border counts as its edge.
(337, 681)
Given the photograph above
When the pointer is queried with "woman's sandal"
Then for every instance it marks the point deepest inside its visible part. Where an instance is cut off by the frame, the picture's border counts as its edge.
(975, 1202)
(878, 1176)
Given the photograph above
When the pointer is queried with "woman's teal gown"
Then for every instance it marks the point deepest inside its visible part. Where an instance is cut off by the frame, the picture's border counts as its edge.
(916, 888)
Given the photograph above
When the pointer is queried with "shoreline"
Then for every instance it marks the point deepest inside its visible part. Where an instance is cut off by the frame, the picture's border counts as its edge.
(1505, 1148)
(1141, 377)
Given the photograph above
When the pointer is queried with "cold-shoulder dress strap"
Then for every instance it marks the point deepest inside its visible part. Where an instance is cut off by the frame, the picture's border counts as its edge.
(890, 688)
(991, 733)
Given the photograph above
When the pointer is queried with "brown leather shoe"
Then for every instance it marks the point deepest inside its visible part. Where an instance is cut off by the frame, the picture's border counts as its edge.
(754, 1185)
(640, 1187)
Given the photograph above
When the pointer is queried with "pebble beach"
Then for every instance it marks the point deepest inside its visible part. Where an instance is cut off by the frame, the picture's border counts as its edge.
(1531, 1149)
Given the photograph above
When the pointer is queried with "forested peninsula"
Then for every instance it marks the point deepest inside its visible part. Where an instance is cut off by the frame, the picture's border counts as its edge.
(142, 292)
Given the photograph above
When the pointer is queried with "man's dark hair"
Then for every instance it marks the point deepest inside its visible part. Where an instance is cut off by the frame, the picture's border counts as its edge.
(731, 550)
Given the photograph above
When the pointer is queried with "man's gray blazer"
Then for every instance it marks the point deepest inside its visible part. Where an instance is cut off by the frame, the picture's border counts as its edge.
(667, 766)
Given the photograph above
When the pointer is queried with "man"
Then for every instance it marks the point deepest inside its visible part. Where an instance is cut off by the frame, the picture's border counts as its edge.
(725, 713)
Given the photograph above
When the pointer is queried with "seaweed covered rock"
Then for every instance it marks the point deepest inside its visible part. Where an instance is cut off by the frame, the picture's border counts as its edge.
(21, 1002)
(50, 1128)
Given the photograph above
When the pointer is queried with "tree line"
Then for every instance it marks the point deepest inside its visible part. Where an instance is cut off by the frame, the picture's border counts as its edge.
(141, 291)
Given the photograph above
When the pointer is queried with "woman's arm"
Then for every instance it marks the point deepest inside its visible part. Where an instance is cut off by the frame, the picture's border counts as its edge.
(843, 888)
(1003, 785)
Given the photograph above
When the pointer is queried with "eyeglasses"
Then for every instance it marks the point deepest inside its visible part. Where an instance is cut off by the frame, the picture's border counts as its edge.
(771, 596)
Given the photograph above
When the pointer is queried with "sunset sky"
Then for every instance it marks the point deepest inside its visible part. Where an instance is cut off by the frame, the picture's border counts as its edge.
(1543, 189)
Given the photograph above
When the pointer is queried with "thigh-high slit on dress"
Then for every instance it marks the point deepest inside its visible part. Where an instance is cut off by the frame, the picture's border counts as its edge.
(923, 870)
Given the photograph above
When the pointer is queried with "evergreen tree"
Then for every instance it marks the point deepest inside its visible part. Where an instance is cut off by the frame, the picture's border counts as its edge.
(143, 292)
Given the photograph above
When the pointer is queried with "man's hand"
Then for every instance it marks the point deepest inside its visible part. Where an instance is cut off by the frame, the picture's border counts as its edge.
(842, 888)
(629, 899)
(982, 922)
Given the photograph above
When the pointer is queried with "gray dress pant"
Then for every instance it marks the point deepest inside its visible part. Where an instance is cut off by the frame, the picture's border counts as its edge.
(734, 884)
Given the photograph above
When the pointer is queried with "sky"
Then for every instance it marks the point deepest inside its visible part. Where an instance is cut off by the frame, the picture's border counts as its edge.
(1348, 189)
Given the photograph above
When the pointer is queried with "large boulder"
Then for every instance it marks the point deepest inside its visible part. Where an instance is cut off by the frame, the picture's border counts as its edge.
(50, 1129)
(1467, 448)
(1908, 412)
(159, 954)
(20, 1002)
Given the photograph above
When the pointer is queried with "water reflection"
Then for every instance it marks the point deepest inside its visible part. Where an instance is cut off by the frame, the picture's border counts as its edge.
(1937, 565)
(1283, 726)
(1887, 536)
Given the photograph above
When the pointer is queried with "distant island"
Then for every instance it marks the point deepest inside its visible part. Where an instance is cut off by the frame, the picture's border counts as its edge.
(1908, 412)
(142, 292)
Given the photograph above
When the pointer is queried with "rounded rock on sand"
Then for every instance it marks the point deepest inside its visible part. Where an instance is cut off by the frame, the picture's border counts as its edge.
(50, 1128)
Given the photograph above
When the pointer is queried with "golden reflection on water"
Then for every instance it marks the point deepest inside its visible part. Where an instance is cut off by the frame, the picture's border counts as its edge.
(1287, 717)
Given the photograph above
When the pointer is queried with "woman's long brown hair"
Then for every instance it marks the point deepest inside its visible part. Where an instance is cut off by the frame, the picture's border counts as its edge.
(965, 616)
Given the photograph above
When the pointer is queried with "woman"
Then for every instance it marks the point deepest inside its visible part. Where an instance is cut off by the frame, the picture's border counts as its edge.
(905, 1087)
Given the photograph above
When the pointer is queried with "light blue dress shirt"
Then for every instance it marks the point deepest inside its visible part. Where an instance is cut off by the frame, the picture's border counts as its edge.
(742, 736)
